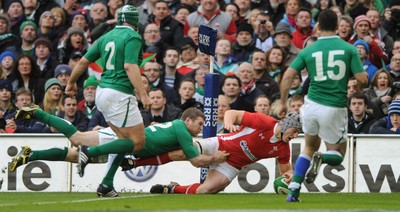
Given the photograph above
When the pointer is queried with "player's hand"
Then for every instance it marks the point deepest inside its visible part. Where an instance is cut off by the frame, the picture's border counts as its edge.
(230, 127)
(145, 101)
(71, 89)
(288, 175)
(221, 156)
(282, 110)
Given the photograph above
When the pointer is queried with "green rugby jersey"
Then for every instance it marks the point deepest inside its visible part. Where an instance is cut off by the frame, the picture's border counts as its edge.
(330, 61)
(119, 46)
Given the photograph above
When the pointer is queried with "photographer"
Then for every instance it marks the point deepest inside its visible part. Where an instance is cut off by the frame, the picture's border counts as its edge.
(263, 31)
(392, 20)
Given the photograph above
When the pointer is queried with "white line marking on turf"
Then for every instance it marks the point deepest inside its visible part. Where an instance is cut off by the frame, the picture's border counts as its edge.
(78, 201)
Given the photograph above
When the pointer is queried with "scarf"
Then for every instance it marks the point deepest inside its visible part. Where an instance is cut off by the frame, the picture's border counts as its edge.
(246, 90)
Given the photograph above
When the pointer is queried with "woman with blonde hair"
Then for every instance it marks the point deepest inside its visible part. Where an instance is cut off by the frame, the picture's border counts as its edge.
(52, 101)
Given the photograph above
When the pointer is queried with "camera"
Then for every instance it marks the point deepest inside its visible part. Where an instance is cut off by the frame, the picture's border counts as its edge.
(263, 21)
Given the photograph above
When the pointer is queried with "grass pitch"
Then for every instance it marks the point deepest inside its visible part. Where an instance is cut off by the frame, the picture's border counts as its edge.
(42, 201)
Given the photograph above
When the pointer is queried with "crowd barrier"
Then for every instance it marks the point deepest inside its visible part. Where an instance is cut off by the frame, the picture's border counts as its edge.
(372, 164)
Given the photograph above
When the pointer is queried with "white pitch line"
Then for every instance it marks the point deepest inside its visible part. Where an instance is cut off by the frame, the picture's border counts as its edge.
(78, 201)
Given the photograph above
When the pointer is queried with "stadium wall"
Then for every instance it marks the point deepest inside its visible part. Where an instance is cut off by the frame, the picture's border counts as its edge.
(372, 164)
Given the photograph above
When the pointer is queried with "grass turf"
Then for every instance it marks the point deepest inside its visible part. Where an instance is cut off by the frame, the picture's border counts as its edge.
(42, 201)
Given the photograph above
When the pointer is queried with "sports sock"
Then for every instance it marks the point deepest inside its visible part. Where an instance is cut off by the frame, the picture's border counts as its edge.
(158, 160)
(53, 154)
(189, 189)
(60, 124)
(300, 169)
(119, 146)
(333, 158)
(113, 164)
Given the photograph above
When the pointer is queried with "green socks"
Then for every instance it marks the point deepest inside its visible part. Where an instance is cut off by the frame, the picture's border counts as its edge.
(332, 159)
(60, 124)
(53, 154)
(108, 180)
(119, 146)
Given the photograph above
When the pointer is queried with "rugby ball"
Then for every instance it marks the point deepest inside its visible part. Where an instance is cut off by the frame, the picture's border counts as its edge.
(281, 186)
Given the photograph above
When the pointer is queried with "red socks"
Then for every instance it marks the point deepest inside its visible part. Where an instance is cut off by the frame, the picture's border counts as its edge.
(189, 189)
(157, 160)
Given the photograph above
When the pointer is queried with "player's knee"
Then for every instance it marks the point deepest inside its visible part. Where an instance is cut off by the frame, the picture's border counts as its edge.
(139, 144)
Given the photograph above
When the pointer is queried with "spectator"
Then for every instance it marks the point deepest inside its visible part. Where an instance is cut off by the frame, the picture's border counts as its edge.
(262, 105)
(249, 92)
(380, 92)
(263, 80)
(75, 41)
(244, 10)
(396, 47)
(354, 8)
(60, 24)
(181, 14)
(44, 58)
(153, 42)
(71, 6)
(7, 38)
(392, 24)
(338, 10)
(16, 15)
(394, 67)
(303, 27)
(296, 88)
(186, 94)
(6, 106)
(275, 63)
(7, 63)
(363, 51)
(102, 28)
(46, 25)
(295, 102)
(245, 44)
(97, 122)
(253, 17)
(263, 31)
(193, 34)
(223, 106)
(27, 74)
(147, 87)
(52, 101)
(233, 10)
(72, 114)
(231, 90)
(188, 51)
(145, 10)
(80, 19)
(88, 105)
(28, 31)
(360, 120)
(62, 73)
(224, 63)
(220, 20)
(282, 38)
(345, 28)
(376, 29)
(171, 30)
(320, 6)
(23, 98)
(199, 78)
(377, 55)
(30, 10)
(389, 124)
(153, 71)
(159, 111)
(292, 7)
(98, 14)
(170, 75)
(113, 6)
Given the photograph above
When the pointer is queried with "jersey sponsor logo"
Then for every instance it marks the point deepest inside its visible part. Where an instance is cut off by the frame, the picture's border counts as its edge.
(141, 174)
(246, 150)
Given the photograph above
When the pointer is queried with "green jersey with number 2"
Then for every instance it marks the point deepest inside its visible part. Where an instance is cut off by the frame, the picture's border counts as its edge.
(119, 46)
(330, 61)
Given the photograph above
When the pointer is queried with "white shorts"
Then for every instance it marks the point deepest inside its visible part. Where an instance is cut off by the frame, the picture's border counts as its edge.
(106, 135)
(209, 146)
(329, 123)
(119, 108)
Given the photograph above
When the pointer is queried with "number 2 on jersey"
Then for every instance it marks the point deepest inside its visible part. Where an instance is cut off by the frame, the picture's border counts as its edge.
(319, 67)
(110, 47)
(163, 125)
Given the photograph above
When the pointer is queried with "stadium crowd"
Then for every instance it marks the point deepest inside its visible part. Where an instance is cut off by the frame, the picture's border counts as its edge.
(42, 40)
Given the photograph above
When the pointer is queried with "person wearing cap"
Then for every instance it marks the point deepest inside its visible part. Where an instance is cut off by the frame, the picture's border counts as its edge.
(88, 104)
(283, 38)
(7, 38)
(80, 19)
(181, 12)
(28, 34)
(16, 15)
(393, 24)
(44, 58)
(52, 101)
(75, 41)
(268, 138)
(46, 25)
(363, 50)
(378, 55)
(188, 52)
(6, 106)
(389, 124)
(245, 44)
(62, 73)
(30, 10)
(324, 113)
(220, 20)
(7, 61)
(170, 29)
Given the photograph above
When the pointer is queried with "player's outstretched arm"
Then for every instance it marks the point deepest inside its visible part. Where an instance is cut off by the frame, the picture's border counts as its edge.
(71, 88)
(286, 83)
(233, 118)
(205, 160)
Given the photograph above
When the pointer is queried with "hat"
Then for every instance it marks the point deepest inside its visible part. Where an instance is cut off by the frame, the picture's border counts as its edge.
(7, 53)
(62, 69)
(292, 120)
(362, 42)
(394, 107)
(50, 82)
(282, 27)
(185, 6)
(187, 43)
(79, 12)
(76, 54)
(245, 28)
(359, 19)
(27, 23)
(75, 30)
(394, 3)
(6, 19)
(14, 1)
(44, 14)
(91, 81)
(6, 84)
(45, 42)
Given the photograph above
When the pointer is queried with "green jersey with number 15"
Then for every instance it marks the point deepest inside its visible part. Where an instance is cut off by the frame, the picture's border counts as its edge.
(330, 61)
(119, 46)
